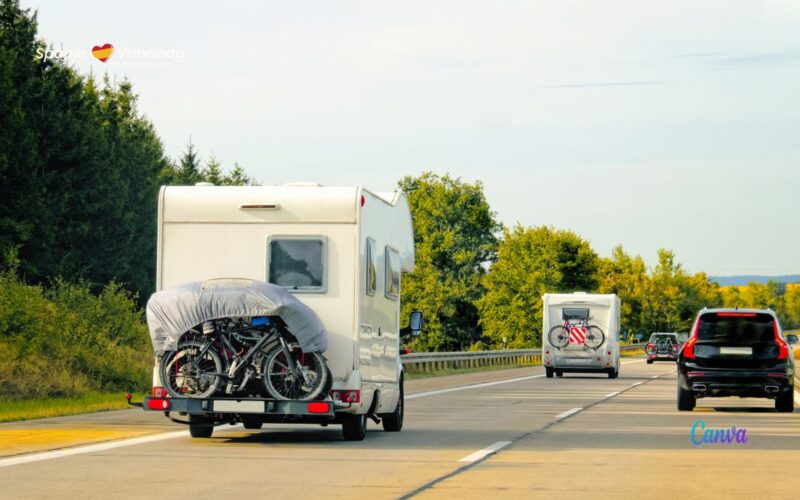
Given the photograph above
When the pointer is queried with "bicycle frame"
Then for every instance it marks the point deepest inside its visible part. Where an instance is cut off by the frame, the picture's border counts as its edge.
(271, 333)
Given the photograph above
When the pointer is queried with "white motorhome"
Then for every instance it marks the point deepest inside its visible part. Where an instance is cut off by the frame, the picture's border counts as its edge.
(340, 250)
(580, 333)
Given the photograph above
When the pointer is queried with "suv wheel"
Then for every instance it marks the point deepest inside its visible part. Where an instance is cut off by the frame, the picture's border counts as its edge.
(784, 403)
(686, 399)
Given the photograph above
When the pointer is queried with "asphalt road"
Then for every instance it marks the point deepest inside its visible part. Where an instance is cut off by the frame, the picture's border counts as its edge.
(574, 437)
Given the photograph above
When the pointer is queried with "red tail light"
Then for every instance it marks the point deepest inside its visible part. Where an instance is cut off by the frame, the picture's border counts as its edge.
(688, 347)
(158, 404)
(346, 396)
(650, 347)
(318, 407)
(160, 392)
(783, 347)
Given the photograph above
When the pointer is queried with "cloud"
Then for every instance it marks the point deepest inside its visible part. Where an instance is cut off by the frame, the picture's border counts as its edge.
(763, 59)
(631, 83)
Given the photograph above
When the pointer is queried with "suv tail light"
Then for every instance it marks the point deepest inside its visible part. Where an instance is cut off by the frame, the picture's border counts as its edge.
(160, 392)
(650, 347)
(783, 347)
(688, 347)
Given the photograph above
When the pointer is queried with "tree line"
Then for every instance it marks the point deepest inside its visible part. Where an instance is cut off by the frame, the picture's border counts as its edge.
(80, 169)
(479, 283)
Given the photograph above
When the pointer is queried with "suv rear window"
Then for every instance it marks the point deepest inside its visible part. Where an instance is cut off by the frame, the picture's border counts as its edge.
(736, 328)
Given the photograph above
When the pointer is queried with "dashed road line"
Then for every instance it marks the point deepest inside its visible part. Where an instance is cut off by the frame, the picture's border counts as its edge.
(485, 452)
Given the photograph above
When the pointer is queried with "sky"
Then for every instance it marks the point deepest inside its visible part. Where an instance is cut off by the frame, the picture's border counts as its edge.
(647, 124)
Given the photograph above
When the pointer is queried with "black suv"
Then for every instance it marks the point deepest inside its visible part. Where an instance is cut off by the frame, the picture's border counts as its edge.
(736, 352)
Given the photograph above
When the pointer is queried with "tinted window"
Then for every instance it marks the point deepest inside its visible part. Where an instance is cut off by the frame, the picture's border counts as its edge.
(392, 273)
(575, 313)
(372, 269)
(297, 263)
(736, 328)
(661, 336)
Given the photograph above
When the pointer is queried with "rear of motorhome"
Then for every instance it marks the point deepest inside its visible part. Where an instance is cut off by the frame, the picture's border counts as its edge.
(580, 333)
(340, 250)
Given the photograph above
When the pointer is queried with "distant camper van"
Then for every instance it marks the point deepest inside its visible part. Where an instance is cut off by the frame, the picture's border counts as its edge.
(580, 333)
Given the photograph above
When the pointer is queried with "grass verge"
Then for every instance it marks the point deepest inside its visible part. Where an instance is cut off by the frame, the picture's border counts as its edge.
(13, 410)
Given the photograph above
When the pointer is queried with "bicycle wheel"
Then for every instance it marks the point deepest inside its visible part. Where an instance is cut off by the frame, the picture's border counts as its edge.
(594, 337)
(283, 383)
(558, 336)
(184, 374)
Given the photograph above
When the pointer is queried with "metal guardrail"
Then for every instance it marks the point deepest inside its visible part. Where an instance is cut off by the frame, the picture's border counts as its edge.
(430, 361)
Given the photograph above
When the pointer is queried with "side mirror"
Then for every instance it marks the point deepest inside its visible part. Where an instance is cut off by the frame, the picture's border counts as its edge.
(415, 323)
(791, 338)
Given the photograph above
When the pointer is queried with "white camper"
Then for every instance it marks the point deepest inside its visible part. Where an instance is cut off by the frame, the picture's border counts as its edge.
(340, 250)
(580, 333)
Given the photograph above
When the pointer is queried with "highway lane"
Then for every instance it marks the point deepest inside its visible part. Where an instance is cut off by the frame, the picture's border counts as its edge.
(569, 437)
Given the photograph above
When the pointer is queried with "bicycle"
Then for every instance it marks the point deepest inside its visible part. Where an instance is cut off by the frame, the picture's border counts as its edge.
(234, 353)
(576, 332)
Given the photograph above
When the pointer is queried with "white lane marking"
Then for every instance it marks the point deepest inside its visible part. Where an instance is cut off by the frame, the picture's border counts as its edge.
(655, 376)
(473, 386)
(637, 384)
(636, 361)
(611, 395)
(489, 450)
(568, 413)
(796, 398)
(110, 445)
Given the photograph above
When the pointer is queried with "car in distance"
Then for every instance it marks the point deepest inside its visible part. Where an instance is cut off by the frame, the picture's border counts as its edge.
(662, 347)
(737, 352)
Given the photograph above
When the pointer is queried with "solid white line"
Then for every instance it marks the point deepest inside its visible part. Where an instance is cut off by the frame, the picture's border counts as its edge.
(79, 450)
(655, 376)
(473, 386)
(637, 384)
(489, 450)
(568, 413)
(611, 395)
(110, 445)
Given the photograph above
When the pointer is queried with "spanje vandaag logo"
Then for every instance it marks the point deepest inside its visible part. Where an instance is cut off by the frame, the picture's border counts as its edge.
(700, 434)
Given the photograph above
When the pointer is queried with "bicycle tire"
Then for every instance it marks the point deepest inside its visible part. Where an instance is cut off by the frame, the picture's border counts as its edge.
(176, 377)
(561, 337)
(284, 385)
(595, 337)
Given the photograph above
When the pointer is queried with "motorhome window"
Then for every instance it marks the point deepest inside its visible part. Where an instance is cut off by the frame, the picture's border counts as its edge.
(372, 268)
(575, 313)
(297, 263)
(392, 273)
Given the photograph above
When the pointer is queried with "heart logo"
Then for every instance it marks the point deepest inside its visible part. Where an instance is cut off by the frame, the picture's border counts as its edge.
(103, 52)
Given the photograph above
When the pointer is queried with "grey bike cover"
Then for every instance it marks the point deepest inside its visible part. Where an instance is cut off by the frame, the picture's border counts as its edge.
(172, 312)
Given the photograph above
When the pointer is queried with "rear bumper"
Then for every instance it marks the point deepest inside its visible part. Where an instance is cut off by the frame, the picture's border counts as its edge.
(752, 384)
(662, 357)
(268, 410)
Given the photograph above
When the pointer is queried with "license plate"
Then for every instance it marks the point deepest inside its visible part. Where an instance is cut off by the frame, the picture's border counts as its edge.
(736, 351)
(239, 406)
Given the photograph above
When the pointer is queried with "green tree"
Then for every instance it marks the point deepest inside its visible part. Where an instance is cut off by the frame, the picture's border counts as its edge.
(530, 263)
(213, 172)
(626, 276)
(454, 234)
(237, 177)
(189, 167)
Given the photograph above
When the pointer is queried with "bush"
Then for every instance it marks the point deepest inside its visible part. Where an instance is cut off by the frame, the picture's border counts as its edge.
(65, 341)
